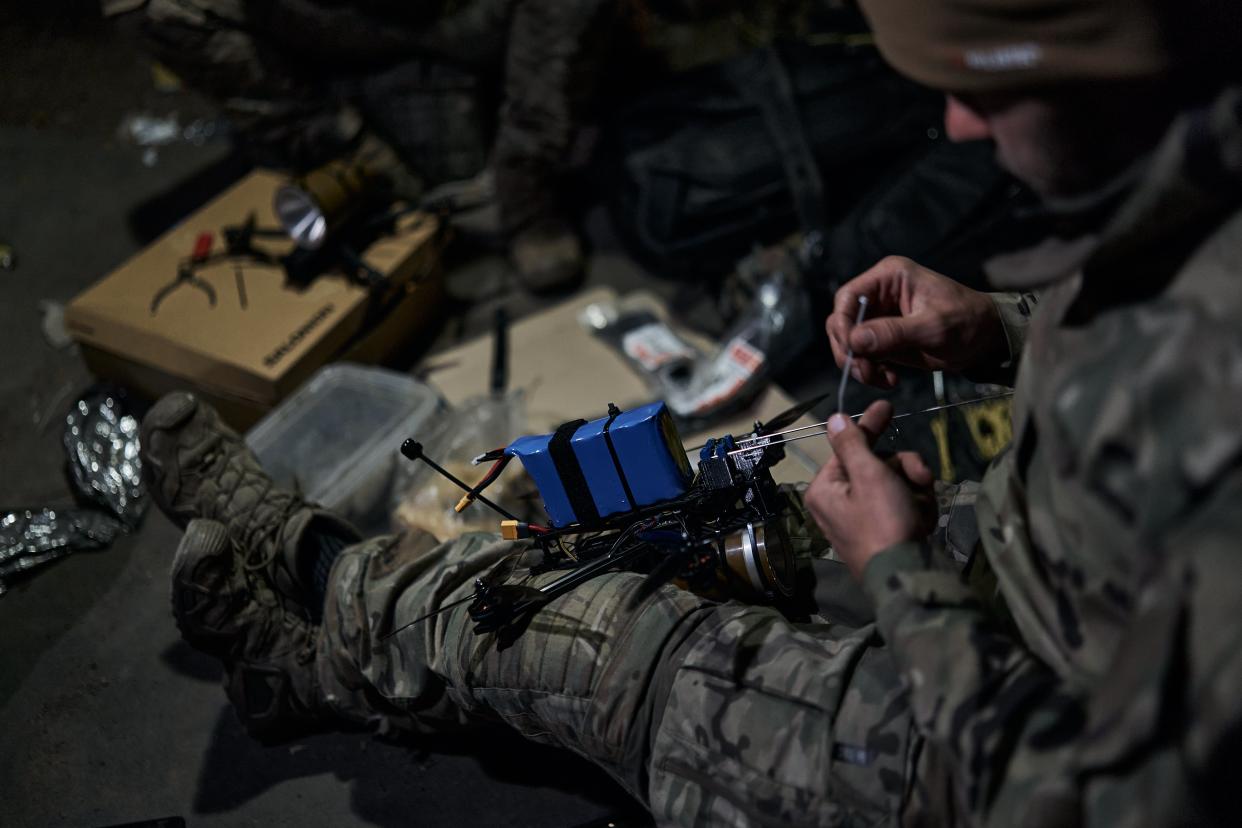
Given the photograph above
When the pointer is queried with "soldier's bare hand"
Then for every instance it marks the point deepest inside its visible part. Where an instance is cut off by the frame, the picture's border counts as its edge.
(915, 317)
(864, 504)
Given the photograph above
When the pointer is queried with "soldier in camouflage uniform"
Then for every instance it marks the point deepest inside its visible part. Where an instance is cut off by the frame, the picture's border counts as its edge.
(303, 79)
(1084, 667)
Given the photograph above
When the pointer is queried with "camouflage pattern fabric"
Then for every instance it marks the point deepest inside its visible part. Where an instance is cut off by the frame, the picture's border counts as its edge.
(300, 79)
(710, 713)
(552, 67)
(285, 113)
(1097, 684)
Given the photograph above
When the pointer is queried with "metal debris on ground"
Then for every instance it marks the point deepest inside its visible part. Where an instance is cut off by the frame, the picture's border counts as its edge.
(54, 330)
(101, 442)
(145, 130)
(149, 132)
(32, 537)
(700, 386)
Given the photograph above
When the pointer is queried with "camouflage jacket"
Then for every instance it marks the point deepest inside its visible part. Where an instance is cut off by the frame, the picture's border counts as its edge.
(1088, 669)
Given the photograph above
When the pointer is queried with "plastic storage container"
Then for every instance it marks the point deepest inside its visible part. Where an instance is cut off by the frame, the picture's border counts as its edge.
(338, 438)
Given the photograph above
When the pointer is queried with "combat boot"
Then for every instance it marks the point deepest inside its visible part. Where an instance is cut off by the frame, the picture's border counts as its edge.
(198, 467)
(266, 643)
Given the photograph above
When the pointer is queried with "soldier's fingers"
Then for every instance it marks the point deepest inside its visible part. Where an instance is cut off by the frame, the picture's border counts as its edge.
(891, 336)
(845, 310)
(873, 373)
(864, 370)
(861, 370)
(845, 302)
(881, 284)
(839, 326)
(913, 468)
(836, 339)
(874, 421)
(833, 471)
(829, 491)
(850, 444)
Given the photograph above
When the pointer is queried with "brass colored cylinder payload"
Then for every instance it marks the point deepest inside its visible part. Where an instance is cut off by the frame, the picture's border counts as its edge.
(760, 558)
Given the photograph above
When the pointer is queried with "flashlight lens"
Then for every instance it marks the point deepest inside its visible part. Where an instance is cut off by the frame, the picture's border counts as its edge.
(301, 217)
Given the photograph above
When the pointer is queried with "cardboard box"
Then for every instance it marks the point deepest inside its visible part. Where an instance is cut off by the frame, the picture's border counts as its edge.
(262, 337)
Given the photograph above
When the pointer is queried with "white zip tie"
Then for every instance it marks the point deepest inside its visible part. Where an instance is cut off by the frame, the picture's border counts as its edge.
(849, 357)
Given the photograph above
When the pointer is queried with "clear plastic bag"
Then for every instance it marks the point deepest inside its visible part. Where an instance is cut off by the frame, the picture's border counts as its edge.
(700, 386)
(425, 500)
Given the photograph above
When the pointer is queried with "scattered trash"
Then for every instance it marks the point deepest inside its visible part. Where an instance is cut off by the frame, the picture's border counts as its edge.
(101, 442)
(336, 439)
(163, 79)
(150, 132)
(202, 130)
(145, 130)
(699, 386)
(45, 410)
(424, 500)
(54, 330)
(32, 537)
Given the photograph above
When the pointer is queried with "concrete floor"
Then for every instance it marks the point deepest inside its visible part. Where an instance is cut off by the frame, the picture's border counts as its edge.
(106, 717)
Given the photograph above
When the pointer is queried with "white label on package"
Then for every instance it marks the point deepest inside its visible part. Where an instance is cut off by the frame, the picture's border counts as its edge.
(732, 369)
(654, 345)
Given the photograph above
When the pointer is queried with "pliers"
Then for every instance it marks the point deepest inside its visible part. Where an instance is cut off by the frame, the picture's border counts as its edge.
(187, 276)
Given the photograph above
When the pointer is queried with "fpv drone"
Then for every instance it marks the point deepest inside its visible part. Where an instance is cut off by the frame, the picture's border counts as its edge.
(619, 493)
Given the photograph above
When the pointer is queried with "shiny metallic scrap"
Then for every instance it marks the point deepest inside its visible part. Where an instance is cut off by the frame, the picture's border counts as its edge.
(32, 537)
(101, 442)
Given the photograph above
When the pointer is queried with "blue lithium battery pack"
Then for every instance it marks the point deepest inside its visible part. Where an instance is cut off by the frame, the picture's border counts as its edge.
(586, 471)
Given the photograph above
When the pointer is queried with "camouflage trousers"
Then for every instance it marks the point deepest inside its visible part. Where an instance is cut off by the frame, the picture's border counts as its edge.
(707, 712)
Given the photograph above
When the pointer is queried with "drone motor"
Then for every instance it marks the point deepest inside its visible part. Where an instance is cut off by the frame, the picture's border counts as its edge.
(760, 557)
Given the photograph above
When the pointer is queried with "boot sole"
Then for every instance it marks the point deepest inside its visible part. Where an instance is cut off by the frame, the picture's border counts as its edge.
(190, 551)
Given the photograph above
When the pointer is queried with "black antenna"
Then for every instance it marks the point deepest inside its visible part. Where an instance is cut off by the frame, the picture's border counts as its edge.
(431, 614)
(413, 450)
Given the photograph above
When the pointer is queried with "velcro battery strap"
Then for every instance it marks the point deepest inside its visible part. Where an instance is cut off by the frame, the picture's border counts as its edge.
(569, 470)
(614, 413)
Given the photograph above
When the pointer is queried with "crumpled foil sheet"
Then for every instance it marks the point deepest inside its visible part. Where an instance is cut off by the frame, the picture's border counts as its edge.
(30, 538)
(101, 442)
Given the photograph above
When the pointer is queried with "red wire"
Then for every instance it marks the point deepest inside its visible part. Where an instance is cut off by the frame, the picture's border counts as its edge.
(492, 473)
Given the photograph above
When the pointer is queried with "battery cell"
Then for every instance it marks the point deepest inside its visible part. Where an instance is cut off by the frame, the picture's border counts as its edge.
(593, 470)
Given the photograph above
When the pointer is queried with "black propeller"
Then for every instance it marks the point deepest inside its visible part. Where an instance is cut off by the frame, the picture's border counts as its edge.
(787, 417)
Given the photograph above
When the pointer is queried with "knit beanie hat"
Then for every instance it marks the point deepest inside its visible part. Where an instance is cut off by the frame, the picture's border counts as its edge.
(995, 45)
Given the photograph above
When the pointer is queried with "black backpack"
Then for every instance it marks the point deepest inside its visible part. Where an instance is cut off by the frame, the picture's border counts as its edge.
(823, 139)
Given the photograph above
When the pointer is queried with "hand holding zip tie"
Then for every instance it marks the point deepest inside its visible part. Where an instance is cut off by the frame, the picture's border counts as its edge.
(865, 504)
(917, 318)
